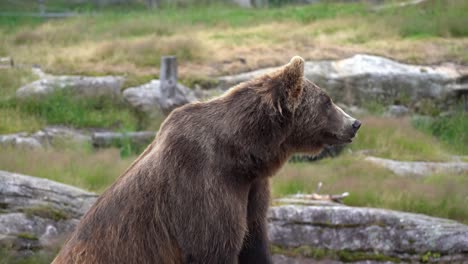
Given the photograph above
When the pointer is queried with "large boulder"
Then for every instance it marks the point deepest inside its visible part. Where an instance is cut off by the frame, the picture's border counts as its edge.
(148, 98)
(300, 228)
(108, 86)
(36, 213)
(366, 78)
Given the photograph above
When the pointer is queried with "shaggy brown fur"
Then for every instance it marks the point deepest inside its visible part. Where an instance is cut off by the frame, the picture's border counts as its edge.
(199, 193)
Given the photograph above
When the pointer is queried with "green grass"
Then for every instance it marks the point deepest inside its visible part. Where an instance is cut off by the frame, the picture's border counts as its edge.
(27, 236)
(13, 78)
(46, 212)
(91, 170)
(14, 120)
(436, 195)
(441, 195)
(62, 108)
(208, 38)
(452, 130)
(396, 138)
(6, 257)
(65, 109)
(443, 18)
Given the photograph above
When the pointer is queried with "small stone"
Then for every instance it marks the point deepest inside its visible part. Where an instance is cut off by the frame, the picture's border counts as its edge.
(396, 111)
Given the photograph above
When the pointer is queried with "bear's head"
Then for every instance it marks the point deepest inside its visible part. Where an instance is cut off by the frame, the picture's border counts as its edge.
(317, 121)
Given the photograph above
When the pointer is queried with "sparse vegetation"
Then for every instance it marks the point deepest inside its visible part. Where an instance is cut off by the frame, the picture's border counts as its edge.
(46, 212)
(396, 138)
(328, 254)
(372, 186)
(6, 257)
(87, 169)
(65, 109)
(27, 236)
(211, 40)
(451, 129)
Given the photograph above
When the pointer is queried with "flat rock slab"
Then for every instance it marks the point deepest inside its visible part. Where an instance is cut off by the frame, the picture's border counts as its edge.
(108, 139)
(362, 78)
(376, 233)
(49, 136)
(19, 191)
(420, 168)
(37, 213)
(108, 86)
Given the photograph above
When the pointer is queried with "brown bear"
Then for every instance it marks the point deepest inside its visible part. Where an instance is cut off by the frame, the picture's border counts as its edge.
(200, 193)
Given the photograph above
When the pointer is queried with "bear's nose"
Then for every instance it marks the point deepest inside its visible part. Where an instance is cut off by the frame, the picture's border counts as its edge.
(356, 125)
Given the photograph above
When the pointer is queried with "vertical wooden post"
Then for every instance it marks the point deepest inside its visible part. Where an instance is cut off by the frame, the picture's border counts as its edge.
(42, 8)
(168, 76)
(152, 4)
(260, 3)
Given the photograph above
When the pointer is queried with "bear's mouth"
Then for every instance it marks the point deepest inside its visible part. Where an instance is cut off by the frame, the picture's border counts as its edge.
(335, 139)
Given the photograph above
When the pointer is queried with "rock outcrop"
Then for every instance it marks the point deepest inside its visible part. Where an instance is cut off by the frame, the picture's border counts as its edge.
(45, 137)
(420, 168)
(306, 229)
(148, 98)
(35, 214)
(56, 135)
(364, 78)
(108, 86)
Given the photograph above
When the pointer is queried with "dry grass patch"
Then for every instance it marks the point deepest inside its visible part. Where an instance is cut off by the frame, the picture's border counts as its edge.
(396, 138)
(437, 195)
(213, 41)
(14, 120)
(83, 168)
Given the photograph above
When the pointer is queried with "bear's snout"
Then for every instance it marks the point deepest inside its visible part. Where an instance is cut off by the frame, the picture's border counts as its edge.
(356, 125)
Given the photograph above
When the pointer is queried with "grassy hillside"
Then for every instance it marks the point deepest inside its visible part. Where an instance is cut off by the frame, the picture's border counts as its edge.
(222, 39)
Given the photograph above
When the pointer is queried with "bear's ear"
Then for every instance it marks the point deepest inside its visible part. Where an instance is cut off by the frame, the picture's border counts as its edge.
(287, 83)
(293, 76)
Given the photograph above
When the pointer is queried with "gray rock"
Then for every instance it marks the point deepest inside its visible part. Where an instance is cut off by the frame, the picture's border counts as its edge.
(338, 228)
(398, 5)
(19, 140)
(382, 236)
(45, 137)
(21, 191)
(108, 86)
(56, 135)
(396, 111)
(365, 78)
(282, 259)
(6, 62)
(147, 98)
(420, 168)
(37, 213)
(107, 139)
